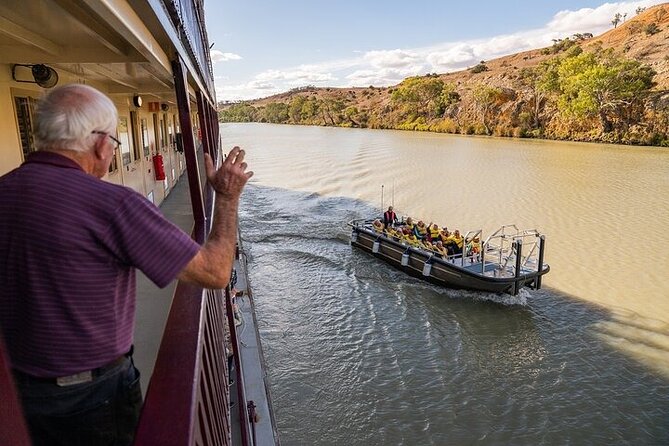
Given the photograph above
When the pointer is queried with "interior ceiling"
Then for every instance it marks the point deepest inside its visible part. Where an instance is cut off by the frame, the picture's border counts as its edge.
(70, 37)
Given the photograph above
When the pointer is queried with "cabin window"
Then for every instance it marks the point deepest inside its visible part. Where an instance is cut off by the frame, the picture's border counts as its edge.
(170, 131)
(25, 112)
(156, 131)
(113, 166)
(136, 138)
(144, 125)
(163, 132)
(124, 137)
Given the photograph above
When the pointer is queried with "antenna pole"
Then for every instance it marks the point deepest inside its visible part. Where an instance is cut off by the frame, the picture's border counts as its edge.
(382, 198)
(393, 202)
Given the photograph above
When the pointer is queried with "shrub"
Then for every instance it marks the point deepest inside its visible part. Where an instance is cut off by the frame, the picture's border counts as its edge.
(651, 29)
(446, 125)
(519, 132)
(481, 67)
(525, 119)
(634, 27)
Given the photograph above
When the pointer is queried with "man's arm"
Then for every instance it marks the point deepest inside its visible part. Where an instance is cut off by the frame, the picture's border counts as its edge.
(212, 265)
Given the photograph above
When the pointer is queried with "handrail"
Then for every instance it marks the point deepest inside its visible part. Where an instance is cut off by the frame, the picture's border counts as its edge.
(186, 402)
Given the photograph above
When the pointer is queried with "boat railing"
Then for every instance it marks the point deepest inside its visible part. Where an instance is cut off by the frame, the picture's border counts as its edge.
(503, 245)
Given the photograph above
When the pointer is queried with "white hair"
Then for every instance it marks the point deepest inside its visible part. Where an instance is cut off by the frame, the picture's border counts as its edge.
(67, 116)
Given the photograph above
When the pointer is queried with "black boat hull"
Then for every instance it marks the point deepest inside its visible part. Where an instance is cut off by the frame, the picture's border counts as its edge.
(441, 272)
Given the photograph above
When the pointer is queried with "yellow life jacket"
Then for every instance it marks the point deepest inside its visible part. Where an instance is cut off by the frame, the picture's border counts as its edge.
(411, 240)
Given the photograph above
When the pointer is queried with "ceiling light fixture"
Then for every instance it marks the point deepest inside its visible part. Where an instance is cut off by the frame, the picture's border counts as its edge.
(45, 77)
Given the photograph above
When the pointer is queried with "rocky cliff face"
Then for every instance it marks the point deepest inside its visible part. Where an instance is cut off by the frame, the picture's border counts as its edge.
(538, 93)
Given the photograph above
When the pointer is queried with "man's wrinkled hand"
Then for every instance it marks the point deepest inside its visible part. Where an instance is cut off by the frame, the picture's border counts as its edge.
(229, 179)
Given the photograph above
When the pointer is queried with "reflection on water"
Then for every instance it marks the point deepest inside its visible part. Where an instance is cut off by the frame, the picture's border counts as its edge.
(361, 354)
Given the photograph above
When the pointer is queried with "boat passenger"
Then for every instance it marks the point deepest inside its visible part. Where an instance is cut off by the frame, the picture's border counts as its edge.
(411, 240)
(459, 241)
(434, 232)
(474, 249)
(409, 224)
(449, 242)
(420, 230)
(426, 244)
(440, 249)
(377, 225)
(389, 218)
(443, 234)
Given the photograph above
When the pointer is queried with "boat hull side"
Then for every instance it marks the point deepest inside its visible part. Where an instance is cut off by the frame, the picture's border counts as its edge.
(442, 273)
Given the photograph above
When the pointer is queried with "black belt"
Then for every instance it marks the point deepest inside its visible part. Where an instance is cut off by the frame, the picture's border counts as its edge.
(77, 378)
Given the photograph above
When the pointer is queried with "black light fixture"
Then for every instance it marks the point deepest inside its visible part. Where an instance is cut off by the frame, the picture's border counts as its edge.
(137, 100)
(45, 77)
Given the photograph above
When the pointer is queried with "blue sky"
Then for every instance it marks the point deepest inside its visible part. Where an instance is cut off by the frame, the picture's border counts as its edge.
(263, 47)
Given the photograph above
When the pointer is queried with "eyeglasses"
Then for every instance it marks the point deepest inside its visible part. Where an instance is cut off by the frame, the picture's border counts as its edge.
(118, 143)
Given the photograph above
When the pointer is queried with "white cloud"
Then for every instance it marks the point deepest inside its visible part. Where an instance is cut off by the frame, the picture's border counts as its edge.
(296, 75)
(220, 56)
(393, 58)
(384, 76)
(459, 56)
(389, 67)
(594, 20)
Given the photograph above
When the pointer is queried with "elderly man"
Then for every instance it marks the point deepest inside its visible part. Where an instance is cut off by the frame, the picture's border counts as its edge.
(70, 245)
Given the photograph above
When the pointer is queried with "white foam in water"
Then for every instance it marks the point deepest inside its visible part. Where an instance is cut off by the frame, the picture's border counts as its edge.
(507, 299)
(502, 298)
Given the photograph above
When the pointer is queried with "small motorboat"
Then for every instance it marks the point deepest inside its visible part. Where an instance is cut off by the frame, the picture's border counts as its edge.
(508, 260)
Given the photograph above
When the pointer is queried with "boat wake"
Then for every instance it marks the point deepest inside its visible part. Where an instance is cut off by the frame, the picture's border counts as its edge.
(521, 299)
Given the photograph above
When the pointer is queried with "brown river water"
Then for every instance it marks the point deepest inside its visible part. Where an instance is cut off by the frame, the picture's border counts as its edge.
(358, 353)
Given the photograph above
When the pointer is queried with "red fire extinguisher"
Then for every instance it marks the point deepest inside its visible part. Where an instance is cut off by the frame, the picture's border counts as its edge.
(159, 167)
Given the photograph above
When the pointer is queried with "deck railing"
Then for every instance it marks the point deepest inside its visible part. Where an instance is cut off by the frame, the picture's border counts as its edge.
(187, 402)
(188, 398)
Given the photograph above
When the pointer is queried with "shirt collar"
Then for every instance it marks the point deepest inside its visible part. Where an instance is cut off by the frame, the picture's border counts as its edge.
(53, 158)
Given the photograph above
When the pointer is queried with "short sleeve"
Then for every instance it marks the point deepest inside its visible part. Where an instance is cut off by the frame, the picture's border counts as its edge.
(141, 237)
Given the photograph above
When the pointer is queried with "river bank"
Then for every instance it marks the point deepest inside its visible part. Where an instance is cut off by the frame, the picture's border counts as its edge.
(611, 88)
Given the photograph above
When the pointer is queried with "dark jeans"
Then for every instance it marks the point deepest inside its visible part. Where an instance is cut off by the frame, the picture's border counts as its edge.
(104, 411)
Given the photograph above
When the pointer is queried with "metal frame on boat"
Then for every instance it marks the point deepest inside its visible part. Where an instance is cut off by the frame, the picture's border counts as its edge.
(510, 259)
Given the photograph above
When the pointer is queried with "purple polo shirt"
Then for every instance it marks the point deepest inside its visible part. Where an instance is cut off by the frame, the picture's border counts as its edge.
(69, 246)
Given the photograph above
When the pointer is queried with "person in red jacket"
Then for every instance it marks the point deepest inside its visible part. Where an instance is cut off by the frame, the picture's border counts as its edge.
(389, 217)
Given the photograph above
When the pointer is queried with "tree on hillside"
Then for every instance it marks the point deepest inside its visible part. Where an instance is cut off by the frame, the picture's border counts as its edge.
(310, 110)
(616, 19)
(276, 113)
(486, 99)
(542, 80)
(295, 109)
(449, 95)
(602, 86)
(332, 110)
(241, 112)
(420, 96)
